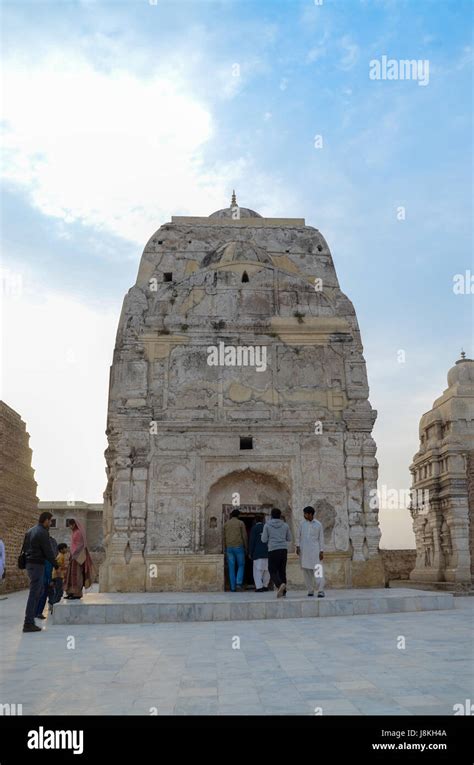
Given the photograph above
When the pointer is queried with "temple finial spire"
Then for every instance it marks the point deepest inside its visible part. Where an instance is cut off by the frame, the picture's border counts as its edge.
(463, 354)
(233, 201)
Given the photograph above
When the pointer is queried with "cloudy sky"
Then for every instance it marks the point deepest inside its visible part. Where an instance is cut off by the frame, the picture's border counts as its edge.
(118, 114)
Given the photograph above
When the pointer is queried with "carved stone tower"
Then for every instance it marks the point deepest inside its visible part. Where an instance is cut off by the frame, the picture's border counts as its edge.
(237, 378)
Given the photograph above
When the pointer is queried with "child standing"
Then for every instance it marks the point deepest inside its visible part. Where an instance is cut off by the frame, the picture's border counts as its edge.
(59, 574)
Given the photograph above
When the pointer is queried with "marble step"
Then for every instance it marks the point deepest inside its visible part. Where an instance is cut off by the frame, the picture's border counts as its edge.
(457, 588)
(151, 608)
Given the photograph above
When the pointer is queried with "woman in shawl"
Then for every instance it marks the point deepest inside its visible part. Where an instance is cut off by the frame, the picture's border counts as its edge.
(80, 571)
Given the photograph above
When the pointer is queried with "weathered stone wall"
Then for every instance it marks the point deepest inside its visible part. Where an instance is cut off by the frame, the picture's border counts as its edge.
(470, 494)
(18, 500)
(97, 559)
(398, 563)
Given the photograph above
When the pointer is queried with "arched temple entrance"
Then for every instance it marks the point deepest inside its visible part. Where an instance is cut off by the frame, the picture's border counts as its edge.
(253, 492)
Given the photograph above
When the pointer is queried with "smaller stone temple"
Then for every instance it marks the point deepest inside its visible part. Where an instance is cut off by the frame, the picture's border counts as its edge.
(442, 505)
(18, 500)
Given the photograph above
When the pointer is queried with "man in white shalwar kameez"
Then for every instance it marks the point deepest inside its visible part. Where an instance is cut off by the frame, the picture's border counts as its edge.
(310, 548)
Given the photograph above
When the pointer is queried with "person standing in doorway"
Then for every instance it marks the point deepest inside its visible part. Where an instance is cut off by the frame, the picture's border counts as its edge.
(37, 549)
(236, 546)
(310, 549)
(277, 535)
(259, 553)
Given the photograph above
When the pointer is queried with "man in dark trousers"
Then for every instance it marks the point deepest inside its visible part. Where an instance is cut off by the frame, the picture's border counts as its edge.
(38, 549)
(47, 577)
(277, 535)
(258, 551)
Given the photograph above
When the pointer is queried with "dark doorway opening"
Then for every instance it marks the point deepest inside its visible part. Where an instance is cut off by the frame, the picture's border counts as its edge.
(249, 520)
(248, 516)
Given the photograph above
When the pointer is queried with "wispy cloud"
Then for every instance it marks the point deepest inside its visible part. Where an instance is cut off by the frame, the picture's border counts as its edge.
(350, 51)
(107, 148)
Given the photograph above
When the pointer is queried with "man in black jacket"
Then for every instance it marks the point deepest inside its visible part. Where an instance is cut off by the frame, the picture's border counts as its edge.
(258, 551)
(37, 547)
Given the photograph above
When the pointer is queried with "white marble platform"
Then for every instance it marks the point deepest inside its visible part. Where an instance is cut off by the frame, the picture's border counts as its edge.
(151, 608)
(350, 665)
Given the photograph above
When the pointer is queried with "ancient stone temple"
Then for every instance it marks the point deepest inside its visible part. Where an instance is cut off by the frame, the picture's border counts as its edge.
(237, 380)
(443, 483)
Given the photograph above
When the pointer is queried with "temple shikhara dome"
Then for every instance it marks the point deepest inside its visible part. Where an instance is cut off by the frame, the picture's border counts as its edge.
(238, 377)
(443, 484)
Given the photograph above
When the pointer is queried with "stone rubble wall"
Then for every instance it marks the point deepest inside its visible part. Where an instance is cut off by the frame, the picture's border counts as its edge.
(18, 500)
(398, 563)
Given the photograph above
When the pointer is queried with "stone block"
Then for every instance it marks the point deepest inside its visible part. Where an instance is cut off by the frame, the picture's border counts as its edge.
(114, 614)
(150, 613)
(361, 606)
(166, 578)
(239, 611)
(310, 607)
(256, 610)
(378, 606)
(291, 609)
(118, 576)
(221, 612)
(200, 574)
(327, 608)
(132, 613)
(186, 612)
(168, 612)
(427, 602)
(273, 610)
(138, 491)
(445, 601)
(368, 573)
(401, 604)
(204, 612)
(343, 607)
(96, 614)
